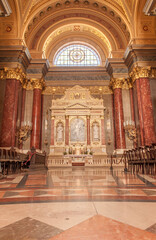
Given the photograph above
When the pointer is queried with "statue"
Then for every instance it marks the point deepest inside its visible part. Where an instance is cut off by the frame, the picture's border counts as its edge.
(59, 131)
(95, 131)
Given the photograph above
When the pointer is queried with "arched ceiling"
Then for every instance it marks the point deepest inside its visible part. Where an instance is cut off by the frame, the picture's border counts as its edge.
(109, 24)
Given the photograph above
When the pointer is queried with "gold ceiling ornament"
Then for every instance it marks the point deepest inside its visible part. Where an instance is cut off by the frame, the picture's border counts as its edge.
(38, 83)
(140, 72)
(54, 90)
(13, 73)
(117, 83)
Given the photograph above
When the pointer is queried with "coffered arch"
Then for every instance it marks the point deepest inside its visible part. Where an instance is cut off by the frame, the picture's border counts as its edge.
(37, 34)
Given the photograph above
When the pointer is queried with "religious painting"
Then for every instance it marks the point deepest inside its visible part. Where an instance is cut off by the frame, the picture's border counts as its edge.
(77, 130)
(59, 132)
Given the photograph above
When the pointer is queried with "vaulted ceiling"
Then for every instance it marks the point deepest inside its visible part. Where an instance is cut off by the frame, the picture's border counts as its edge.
(108, 25)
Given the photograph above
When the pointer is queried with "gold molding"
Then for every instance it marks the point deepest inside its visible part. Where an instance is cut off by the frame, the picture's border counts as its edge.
(140, 72)
(37, 83)
(13, 73)
(117, 83)
(49, 90)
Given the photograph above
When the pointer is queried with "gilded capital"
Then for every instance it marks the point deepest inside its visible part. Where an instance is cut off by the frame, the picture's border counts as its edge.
(117, 83)
(140, 72)
(13, 73)
(38, 83)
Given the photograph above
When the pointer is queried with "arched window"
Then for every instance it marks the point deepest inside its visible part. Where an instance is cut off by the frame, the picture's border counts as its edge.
(77, 55)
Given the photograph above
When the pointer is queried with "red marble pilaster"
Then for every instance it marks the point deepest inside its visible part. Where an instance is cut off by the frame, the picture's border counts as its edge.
(41, 120)
(103, 142)
(22, 110)
(132, 104)
(139, 100)
(88, 130)
(36, 119)
(119, 119)
(67, 131)
(8, 129)
(52, 131)
(147, 111)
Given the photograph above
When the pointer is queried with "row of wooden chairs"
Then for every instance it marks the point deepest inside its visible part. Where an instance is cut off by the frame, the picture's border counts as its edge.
(11, 161)
(142, 159)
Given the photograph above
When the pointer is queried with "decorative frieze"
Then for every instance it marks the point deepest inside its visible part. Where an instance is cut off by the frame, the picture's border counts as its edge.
(93, 90)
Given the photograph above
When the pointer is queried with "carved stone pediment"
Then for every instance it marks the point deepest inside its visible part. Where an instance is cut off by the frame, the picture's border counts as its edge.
(77, 97)
(77, 106)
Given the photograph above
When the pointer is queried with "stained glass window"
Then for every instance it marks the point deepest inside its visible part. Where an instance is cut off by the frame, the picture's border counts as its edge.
(77, 55)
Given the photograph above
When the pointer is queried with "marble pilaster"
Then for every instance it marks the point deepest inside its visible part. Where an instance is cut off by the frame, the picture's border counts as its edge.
(67, 131)
(88, 130)
(36, 118)
(52, 131)
(103, 142)
(147, 111)
(8, 130)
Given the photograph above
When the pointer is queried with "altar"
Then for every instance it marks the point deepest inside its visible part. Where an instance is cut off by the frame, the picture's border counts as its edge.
(77, 126)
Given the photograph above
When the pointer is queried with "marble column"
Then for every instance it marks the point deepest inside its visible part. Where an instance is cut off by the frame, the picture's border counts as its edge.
(8, 130)
(88, 130)
(132, 104)
(103, 142)
(22, 110)
(147, 111)
(52, 130)
(67, 131)
(36, 118)
(118, 115)
(139, 100)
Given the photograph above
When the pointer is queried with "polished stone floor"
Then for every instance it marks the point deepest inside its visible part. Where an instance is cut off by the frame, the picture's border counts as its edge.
(77, 204)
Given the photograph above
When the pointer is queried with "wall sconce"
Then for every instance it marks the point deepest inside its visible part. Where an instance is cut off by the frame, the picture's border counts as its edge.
(130, 130)
(24, 131)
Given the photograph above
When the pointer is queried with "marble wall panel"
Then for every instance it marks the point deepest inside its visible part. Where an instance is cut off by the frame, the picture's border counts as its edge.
(108, 122)
(153, 95)
(46, 123)
(2, 94)
(28, 115)
(127, 113)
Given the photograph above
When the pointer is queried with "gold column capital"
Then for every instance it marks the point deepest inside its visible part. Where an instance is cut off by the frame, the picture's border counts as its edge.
(13, 73)
(37, 83)
(88, 116)
(140, 72)
(117, 83)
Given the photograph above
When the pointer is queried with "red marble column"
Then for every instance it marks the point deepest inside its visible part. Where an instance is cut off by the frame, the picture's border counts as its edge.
(103, 142)
(132, 104)
(140, 112)
(88, 130)
(36, 119)
(147, 111)
(52, 131)
(67, 131)
(8, 129)
(41, 120)
(22, 110)
(119, 119)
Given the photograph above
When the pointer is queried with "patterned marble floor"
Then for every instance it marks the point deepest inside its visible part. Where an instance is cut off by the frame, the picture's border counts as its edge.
(77, 203)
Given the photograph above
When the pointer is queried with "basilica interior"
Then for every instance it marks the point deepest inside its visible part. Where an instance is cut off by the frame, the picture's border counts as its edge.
(77, 119)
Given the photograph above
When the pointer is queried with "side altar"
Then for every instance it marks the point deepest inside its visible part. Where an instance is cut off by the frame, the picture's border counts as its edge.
(77, 126)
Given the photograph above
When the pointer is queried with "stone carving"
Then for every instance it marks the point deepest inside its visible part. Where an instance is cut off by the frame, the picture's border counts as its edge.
(59, 132)
(77, 130)
(95, 131)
